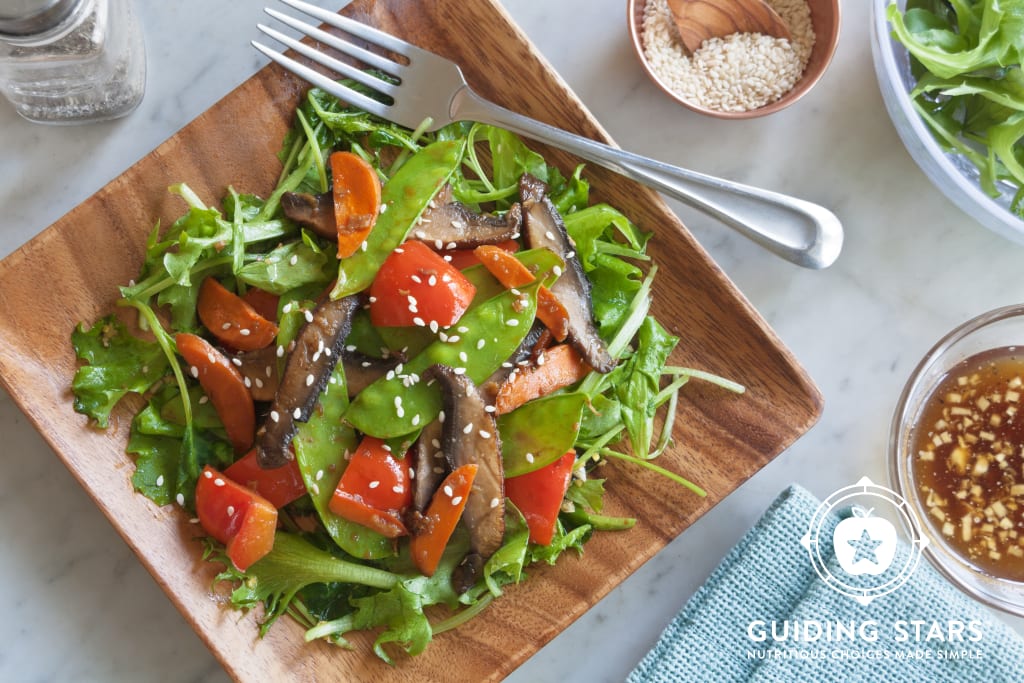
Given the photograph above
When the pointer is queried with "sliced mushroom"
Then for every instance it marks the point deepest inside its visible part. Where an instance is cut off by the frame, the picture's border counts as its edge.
(449, 224)
(522, 354)
(469, 434)
(259, 369)
(361, 370)
(317, 349)
(428, 464)
(543, 227)
(314, 211)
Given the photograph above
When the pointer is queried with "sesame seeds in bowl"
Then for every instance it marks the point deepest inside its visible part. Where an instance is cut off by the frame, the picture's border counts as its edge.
(742, 75)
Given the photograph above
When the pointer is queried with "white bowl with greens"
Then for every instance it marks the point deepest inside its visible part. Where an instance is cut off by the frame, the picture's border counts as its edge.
(956, 99)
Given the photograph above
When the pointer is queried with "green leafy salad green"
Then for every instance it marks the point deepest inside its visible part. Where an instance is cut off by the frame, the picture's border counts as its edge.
(324, 570)
(966, 57)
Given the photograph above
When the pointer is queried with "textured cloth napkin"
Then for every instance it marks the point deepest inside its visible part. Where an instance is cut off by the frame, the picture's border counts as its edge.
(768, 577)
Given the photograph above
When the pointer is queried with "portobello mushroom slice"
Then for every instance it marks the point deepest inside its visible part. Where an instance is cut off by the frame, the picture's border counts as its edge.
(314, 211)
(469, 434)
(317, 349)
(361, 370)
(259, 370)
(521, 356)
(448, 224)
(543, 227)
(428, 464)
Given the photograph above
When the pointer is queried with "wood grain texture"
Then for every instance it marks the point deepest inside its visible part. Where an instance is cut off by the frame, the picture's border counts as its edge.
(720, 439)
(700, 20)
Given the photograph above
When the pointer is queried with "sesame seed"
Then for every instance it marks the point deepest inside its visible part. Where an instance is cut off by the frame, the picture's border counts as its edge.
(495, 502)
(490, 409)
(419, 322)
(397, 488)
(434, 327)
(247, 382)
(287, 308)
(415, 419)
(399, 250)
(204, 399)
(237, 362)
(316, 489)
(557, 270)
(308, 315)
(440, 417)
(364, 245)
(294, 259)
(549, 235)
(280, 351)
(245, 332)
(484, 434)
(374, 484)
(463, 357)
(468, 428)
(390, 375)
(446, 278)
(297, 413)
(512, 322)
(180, 500)
(310, 379)
(453, 339)
(194, 371)
(372, 299)
(226, 326)
(448, 490)
(231, 510)
(529, 457)
(350, 348)
(160, 480)
(420, 234)
(417, 279)
(459, 371)
(480, 343)
(268, 371)
(456, 500)
(208, 474)
(412, 473)
(218, 482)
(432, 280)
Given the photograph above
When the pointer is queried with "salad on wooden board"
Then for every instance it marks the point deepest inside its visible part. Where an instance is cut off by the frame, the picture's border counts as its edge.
(390, 384)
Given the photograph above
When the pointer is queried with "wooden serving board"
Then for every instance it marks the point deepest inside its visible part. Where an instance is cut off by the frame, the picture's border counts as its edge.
(720, 439)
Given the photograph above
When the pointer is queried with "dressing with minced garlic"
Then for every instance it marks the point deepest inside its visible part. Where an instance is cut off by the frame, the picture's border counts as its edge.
(969, 460)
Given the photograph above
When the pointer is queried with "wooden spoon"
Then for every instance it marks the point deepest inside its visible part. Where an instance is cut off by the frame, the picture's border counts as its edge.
(699, 20)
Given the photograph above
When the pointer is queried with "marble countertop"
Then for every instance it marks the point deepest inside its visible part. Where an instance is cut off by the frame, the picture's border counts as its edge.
(81, 607)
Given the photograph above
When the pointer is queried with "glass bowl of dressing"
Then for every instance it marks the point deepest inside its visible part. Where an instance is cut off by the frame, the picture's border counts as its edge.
(956, 454)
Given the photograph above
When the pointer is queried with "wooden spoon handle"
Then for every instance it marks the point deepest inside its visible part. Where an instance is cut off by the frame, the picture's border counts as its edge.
(699, 20)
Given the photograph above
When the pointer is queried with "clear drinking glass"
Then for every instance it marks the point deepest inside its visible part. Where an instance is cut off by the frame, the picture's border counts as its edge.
(71, 61)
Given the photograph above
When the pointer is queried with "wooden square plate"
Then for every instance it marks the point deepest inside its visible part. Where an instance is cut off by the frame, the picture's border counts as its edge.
(720, 439)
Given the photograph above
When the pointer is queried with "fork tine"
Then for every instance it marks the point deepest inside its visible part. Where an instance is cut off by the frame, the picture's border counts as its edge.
(343, 93)
(330, 62)
(358, 29)
(369, 58)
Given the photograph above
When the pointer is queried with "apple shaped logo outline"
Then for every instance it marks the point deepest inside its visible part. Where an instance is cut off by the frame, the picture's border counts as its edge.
(863, 543)
(842, 499)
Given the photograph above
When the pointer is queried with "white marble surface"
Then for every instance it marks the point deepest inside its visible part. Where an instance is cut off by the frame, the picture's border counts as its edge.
(80, 607)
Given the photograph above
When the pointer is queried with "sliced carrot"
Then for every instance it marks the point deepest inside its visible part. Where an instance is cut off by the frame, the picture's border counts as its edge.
(442, 515)
(262, 301)
(511, 272)
(464, 258)
(562, 366)
(224, 384)
(356, 189)
(231, 320)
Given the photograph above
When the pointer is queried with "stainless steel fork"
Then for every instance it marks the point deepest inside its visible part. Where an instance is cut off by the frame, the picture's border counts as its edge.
(432, 88)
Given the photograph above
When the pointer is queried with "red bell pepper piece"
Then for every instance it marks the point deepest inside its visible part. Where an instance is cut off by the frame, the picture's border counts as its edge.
(236, 516)
(280, 485)
(415, 286)
(538, 495)
(374, 490)
(441, 517)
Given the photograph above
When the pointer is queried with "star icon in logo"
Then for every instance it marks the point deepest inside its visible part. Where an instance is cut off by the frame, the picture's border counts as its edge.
(865, 547)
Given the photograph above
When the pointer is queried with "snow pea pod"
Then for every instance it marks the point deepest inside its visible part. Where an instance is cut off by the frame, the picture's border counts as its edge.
(320, 446)
(479, 343)
(403, 198)
(539, 432)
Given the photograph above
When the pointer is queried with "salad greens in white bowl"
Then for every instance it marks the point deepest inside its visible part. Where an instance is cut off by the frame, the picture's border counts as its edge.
(950, 77)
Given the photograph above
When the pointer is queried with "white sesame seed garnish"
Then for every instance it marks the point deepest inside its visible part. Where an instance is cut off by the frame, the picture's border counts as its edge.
(310, 379)
(231, 510)
(439, 244)
(350, 348)
(180, 500)
(529, 457)
(415, 419)
(484, 434)
(557, 270)
(463, 357)
(448, 490)
(512, 322)
(416, 278)
(412, 473)
(432, 280)
(397, 488)
(459, 371)
(308, 315)
(364, 245)
(440, 417)
(208, 474)
(420, 234)
(316, 489)
(245, 332)
(226, 326)
(194, 371)
(294, 259)
(237, 362)
(480, 343)
(218, 482)
(247, 382)
(268, 371)
(468, 428)
(435, 443)
(419, 322)
(399, 250)
(456, 500)
(287, 308)
(204, 399)
(280, 351)
(374, 484)
(297, 413)
(453, 339)
(390, 375)
(549, 235)
(446, 278)
(372, 299)
(495, 502)
(160, 480)
(383, 208)
(490, 409)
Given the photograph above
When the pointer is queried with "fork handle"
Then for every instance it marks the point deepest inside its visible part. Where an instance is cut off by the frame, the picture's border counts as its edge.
(799, 231)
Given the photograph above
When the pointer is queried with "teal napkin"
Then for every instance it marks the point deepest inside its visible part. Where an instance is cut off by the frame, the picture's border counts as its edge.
(925, 630)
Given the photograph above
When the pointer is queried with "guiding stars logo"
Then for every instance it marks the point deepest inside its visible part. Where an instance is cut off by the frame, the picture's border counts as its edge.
(864, 545)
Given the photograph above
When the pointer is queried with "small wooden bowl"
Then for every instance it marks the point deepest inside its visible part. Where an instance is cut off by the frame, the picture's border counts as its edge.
(824, 18)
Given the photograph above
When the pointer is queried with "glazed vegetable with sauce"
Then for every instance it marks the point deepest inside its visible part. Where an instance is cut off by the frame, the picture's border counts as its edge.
(389, 383)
